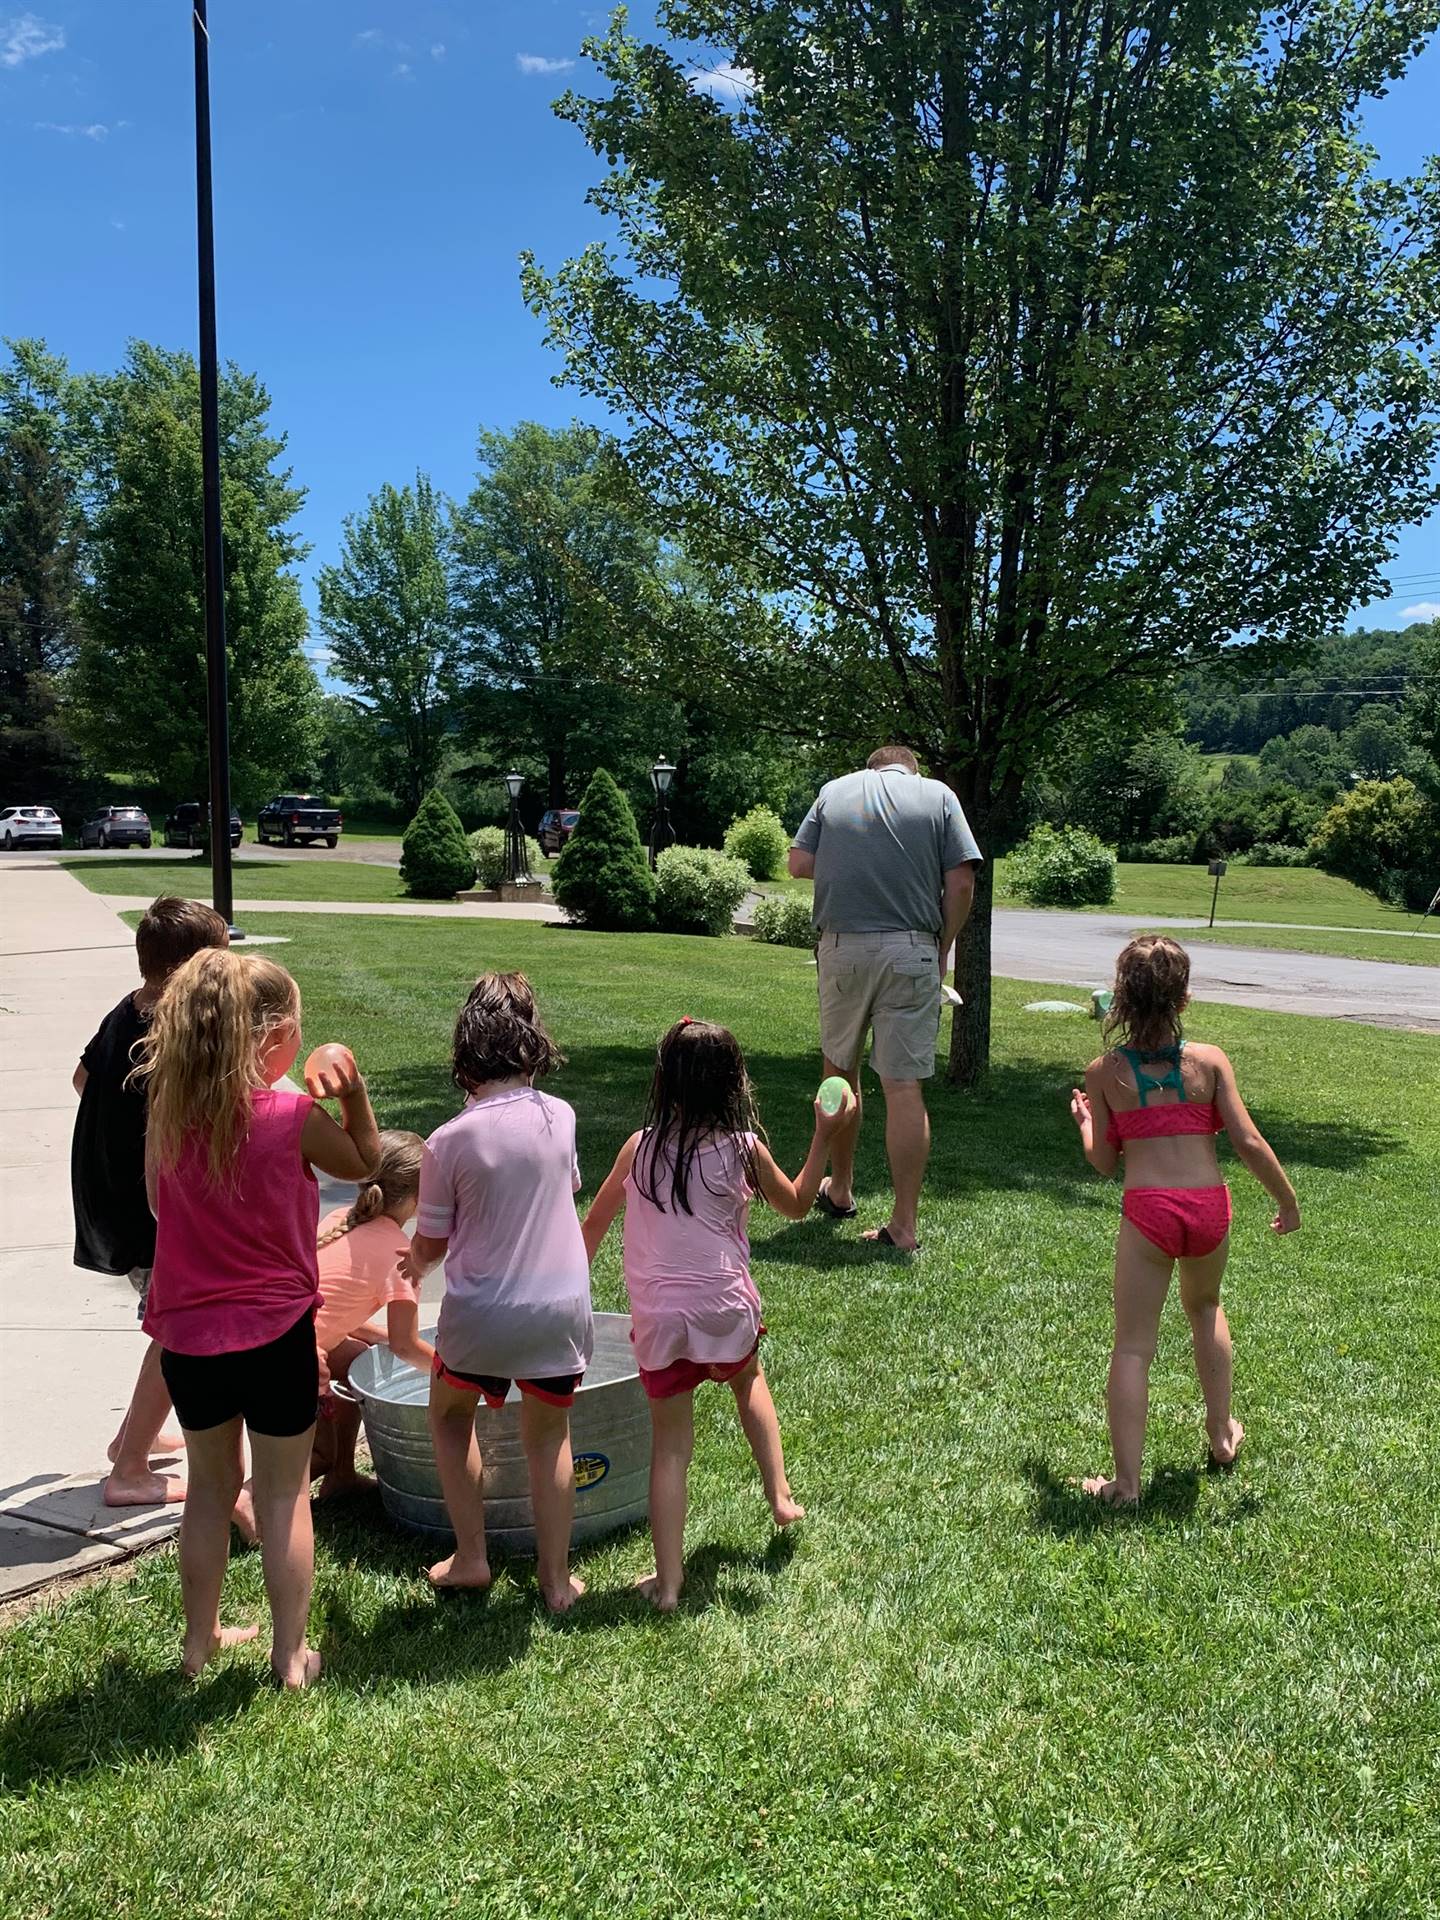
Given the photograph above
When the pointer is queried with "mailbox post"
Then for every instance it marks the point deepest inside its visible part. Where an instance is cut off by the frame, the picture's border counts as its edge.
(1217, 868)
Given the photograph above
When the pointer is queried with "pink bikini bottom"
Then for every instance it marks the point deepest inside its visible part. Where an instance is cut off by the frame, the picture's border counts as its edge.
(1184, 1222)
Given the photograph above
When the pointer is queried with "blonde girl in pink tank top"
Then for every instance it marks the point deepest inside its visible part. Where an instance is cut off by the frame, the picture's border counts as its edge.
(229, 1159)
(685, 1182)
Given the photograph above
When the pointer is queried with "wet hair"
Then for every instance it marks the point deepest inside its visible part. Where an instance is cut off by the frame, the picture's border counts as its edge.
(200, 1060)
(893, 756)
(500, 1035)
(171, 931)
(700, 1092)
(1152, 983)
(396, 1178)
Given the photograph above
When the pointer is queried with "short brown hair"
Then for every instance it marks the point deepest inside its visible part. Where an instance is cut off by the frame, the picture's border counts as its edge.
(893, 756)
(171, 931)
(500, 1035)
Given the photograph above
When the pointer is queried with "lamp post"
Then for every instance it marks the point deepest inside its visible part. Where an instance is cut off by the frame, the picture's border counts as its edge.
(517, 863)
(661, 832)
(216, 689)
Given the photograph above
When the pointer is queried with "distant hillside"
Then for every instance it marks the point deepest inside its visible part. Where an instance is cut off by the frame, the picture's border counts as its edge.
(1350, 673)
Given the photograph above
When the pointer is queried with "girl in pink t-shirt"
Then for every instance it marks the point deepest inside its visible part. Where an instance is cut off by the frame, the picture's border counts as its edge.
(497, 1204)
(229, 1158)
(686, 1181)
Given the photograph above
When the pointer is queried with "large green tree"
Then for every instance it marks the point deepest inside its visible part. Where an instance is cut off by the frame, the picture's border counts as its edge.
(559, 592)
(1015, 352)
(137, 690)
(387, 613)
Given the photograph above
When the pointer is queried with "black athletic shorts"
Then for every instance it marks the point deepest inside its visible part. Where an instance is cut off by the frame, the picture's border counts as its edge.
(275, 1389)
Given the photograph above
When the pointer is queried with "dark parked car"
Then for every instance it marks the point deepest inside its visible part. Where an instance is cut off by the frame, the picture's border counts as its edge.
(297, 819)
(189, 825)
(117, 827)
(556, 827)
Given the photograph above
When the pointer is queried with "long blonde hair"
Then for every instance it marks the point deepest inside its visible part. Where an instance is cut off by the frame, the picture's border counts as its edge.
(200, 1061)
(396, 1178)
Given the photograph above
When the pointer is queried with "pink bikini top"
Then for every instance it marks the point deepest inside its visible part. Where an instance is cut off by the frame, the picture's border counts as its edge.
(1158, 1123)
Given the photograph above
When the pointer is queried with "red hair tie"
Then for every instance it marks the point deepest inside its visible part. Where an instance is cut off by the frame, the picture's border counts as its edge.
(686, 1020)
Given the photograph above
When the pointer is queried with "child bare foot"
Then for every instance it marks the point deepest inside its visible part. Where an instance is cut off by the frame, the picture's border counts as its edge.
(165, 1444)
(786, 1510)
(460, 1573)
(1109, 1492)
(663, 1599)
(1227, 1443)
(142, 1490)
(197, 1653)
(560, 1599)
(244, 1518)
(338, 1483)
(302, 1671)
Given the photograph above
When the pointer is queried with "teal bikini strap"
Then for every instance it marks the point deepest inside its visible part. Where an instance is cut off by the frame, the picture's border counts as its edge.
(1147, 1083)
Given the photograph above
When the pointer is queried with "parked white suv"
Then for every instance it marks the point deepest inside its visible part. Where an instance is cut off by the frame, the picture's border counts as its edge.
(39, 826)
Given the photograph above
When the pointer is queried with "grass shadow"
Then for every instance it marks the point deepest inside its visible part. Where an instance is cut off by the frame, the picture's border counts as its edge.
(1167, 1500)
(121, 1716)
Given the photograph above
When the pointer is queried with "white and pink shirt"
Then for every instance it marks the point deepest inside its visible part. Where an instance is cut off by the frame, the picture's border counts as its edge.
(688, 1274)
(499, 1183)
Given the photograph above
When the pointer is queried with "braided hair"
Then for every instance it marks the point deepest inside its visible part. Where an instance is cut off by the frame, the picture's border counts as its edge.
(396, 1178)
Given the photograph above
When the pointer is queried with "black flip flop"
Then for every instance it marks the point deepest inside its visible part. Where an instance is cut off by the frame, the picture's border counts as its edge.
(884, 1238)
(828, 1207)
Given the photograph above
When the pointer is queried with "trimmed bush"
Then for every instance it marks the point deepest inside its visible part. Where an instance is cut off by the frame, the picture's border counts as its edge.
(1062, 867)
(697, 890)
(785, 920)
(488, 846)
(602, 878)
(435, 858)
(758, 840)
(1385, 836)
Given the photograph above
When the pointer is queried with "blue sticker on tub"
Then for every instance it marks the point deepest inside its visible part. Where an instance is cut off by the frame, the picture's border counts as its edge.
(590, 1469)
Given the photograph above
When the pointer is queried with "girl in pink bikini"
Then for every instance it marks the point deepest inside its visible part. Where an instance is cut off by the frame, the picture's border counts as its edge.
(1161, 1101)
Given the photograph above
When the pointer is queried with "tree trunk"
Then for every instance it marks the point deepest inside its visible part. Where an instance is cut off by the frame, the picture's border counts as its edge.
(970, 1024)
(555, 772)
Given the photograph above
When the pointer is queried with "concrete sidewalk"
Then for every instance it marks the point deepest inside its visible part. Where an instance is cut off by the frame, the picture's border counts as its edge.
(71, 1343)
(398, 909)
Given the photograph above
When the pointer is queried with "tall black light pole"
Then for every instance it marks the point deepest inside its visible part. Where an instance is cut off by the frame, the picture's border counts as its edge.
(217, 691)
(517, 860)
(661, 832)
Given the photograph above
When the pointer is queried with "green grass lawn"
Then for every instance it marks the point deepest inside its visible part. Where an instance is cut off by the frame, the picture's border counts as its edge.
(312, 879)
(1421, 952)
(1301, 894)
(960, 1690)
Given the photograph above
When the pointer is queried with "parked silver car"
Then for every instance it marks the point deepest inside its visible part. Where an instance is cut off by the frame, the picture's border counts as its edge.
(117, 827)
(30, 826)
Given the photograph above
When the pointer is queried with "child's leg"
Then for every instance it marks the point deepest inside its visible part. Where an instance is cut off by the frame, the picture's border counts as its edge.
(281, 1483)
(457, 1457)
(762, 1430)
(1142, 1279)
(1210, 1335)
(216, 1469)
(844, 1140)
(131, 1482)
(672, 1422)
(545, 1436)
(337, 1435)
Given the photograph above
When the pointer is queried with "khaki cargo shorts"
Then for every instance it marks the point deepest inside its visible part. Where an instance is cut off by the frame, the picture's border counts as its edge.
(888, 983)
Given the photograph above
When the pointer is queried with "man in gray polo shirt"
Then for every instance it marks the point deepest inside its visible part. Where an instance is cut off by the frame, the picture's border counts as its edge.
(894, 867)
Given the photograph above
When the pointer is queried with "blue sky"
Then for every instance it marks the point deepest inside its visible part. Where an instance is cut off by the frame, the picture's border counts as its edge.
(378, 168)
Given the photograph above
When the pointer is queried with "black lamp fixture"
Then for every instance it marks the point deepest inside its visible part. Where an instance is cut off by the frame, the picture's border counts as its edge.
(662, 834)
(517, 863)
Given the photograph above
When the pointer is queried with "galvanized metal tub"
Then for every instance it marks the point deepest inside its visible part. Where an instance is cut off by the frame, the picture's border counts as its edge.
(609, 1436)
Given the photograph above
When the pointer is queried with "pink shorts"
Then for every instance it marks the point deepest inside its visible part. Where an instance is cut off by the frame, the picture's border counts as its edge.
(1184, 1222)
(683, 1376)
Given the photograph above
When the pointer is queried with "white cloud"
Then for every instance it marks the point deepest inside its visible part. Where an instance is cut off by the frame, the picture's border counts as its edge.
(118, 225)
(1426, 610)
(322, 656)
(404, 71)
(97, 130)
(537, 63)
(24, 37)
(371, 37)
(437, 52)
(725, 81)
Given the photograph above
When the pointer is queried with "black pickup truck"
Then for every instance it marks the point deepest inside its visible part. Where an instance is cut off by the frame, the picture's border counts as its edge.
(297, 817)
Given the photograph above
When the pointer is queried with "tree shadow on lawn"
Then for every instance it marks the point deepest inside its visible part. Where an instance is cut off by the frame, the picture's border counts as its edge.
(1168, 1500)
(122, 1715)
(437, 1635)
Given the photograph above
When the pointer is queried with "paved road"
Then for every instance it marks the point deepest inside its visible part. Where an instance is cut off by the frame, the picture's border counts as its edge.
(1079, 949)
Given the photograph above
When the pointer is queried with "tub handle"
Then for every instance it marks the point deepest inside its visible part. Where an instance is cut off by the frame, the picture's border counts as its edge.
(343, 1392)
